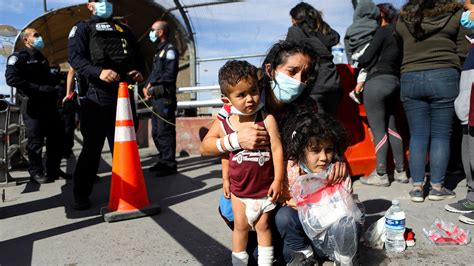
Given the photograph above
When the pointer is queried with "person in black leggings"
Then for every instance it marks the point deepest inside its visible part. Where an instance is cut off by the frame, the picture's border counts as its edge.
(382, 60)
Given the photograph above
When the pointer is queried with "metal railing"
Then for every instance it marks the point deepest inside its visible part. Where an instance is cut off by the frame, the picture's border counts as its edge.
(13, 141)
(182, 105)
(198, 103)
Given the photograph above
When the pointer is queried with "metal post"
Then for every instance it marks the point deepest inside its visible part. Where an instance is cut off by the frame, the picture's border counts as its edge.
(45, 8)
(4, 117)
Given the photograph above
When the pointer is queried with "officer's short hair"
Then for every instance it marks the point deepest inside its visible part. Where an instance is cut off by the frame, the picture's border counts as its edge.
(233, 71)
(165, 27)
(22, 35)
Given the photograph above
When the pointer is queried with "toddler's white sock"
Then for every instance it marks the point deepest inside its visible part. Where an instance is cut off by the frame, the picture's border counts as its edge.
(265, 255)
(240, 258)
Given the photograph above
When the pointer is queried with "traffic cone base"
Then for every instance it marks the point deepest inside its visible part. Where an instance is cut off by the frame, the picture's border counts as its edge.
(128, 195)
(115, 216)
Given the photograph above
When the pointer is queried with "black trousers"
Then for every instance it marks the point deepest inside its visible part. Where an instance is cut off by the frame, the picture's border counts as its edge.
(164, 134)
(40, 125)
(68, 117)
(328, 103)
(97, 124)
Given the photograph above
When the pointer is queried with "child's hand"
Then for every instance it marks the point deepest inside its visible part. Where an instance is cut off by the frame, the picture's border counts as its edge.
(275, 190)
(226, 188)
(338, 173)
(291, 203)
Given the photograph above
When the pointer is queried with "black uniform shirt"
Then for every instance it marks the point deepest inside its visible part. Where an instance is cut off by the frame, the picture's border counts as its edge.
(165, 66)
(28, 71)
(80, 60)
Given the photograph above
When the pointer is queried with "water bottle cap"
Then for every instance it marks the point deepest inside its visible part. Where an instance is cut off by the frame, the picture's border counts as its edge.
(395, 202)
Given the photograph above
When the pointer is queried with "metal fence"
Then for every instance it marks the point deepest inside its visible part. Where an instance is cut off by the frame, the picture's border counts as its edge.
(13, 141)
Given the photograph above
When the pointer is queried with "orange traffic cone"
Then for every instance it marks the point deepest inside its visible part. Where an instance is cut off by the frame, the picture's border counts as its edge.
(128, 195)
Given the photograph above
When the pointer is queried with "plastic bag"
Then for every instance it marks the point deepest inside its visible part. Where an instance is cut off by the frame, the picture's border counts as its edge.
(340, 240)
(328, 214)
(374, 237)
(444, 233)
(226, 212)
(320, 205)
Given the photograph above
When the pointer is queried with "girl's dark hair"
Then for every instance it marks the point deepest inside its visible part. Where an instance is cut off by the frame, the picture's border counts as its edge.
(278, 55)
(389, 11)
(418, 8)
(309, 18)
(297, 133)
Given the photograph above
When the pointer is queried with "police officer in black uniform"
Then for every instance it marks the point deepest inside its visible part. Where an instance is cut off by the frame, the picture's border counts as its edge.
(29, 72)
(104, 52)
(161, 88)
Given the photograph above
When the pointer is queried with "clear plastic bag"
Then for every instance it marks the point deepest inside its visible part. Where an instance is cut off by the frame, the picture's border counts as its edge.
(374, 237)
(447, 233)
(320, 205)
(329, 215)
(340, 241)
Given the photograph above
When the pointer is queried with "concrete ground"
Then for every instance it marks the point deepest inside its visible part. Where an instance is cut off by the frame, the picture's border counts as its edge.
(38, 225)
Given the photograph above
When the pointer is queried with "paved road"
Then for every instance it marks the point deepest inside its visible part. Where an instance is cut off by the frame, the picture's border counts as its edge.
(38, 225)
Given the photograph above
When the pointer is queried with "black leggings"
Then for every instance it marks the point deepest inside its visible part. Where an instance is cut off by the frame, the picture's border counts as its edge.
(380, 97)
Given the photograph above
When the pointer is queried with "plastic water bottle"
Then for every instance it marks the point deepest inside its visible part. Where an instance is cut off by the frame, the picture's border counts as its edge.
(395, 228)
(338, 54)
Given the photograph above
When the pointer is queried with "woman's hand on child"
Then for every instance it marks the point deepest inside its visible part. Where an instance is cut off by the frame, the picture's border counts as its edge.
(338, 173)
(275, 190)
(253, 138)
(226, 188)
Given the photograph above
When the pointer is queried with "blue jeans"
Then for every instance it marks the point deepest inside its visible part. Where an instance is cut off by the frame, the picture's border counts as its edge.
(428, 99)
(291, 231)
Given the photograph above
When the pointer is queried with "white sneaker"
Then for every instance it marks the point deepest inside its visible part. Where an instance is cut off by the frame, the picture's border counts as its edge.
(400, 176)
(355, 97)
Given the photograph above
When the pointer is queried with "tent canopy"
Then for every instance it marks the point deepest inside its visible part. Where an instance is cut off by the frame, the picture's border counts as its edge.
(55, 26)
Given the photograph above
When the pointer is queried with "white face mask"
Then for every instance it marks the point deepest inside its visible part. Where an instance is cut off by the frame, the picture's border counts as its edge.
(286, 89)
(235, 111)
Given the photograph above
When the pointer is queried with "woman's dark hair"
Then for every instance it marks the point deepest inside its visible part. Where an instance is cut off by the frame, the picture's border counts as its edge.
(297, 133)
(309, 18)
(278, 55)
(389, 11)
(418, 8)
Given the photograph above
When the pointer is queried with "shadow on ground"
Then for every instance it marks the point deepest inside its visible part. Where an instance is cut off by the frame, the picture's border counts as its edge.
(166, 191)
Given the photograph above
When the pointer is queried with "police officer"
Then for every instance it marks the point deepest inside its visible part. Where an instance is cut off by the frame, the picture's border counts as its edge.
(104, 52)
(161, 89)
(29, 72)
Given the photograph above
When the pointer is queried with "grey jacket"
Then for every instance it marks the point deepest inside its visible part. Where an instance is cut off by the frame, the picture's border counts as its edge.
(363, 27)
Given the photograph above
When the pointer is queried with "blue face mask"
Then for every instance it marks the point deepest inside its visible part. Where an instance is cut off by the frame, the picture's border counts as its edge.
(324, 173)
(152, 36)
(465, 21)
(103, 9)
(286, 89)
(38, 43)
(305, 168)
